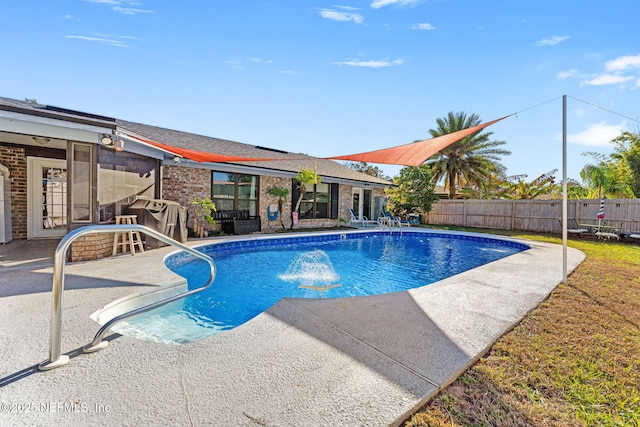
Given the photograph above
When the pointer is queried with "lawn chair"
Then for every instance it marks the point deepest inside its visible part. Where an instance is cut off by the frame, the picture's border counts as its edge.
(574, 229)
(364, 221)
(609, 230)
(403, 222)
(394, 220)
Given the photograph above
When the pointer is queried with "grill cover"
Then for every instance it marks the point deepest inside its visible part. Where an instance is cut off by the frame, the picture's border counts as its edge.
(165, 216)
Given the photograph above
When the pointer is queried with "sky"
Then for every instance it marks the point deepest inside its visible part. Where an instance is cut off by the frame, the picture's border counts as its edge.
(329, 79)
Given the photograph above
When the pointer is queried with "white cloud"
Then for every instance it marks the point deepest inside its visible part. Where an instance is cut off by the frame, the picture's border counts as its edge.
(617, 71)
(116, 43)
(423, 26)
(566, 74)
(240, 63)
(124, 10)
(377, 4)
(261, 61)
(606, 79)
(130, 11)
(371, 64)
(552, 41)
(346, 7)
(337, 15)
(623, 62)
(596, 135)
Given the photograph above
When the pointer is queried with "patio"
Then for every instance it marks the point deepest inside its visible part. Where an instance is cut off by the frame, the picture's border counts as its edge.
(358, 361)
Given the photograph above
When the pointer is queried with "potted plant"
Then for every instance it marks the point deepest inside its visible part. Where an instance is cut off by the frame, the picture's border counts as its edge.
(204, 208)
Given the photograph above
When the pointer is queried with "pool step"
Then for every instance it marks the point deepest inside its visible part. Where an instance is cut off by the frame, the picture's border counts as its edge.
(136, 300)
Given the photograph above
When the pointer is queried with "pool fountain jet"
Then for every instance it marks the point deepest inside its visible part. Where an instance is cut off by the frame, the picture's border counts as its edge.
(312, 270)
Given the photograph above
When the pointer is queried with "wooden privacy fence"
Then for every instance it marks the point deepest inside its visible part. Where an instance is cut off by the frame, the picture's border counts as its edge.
(533, 215)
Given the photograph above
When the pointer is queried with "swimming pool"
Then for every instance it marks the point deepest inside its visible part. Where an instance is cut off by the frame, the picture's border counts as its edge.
(252, 275)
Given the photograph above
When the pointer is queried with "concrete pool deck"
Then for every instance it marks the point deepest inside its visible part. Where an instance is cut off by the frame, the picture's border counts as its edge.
(365, 361)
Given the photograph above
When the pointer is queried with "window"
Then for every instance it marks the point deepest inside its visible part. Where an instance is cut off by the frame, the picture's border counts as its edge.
(315, 202)
(232, 191)
(318, 201)
(122, 178)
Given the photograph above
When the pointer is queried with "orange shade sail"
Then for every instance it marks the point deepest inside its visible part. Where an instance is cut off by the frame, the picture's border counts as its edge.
(415, 153)
(199, 156)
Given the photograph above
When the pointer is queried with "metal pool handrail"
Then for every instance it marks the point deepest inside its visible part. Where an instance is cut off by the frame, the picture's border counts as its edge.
(55, 358)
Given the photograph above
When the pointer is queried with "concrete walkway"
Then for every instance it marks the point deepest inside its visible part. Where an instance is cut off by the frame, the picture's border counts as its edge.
(364, 361)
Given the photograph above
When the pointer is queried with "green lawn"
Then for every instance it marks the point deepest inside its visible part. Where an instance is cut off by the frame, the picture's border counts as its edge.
(574, 361)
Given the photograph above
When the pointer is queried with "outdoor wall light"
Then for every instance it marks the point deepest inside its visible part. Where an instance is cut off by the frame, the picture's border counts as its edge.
(41, 140)
(106, 139)
(113, 142)
(176, 159)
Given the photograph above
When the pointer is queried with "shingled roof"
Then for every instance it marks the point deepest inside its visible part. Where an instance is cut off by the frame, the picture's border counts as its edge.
(289, 162)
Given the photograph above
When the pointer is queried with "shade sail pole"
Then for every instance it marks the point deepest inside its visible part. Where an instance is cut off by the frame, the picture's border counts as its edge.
(564, 190)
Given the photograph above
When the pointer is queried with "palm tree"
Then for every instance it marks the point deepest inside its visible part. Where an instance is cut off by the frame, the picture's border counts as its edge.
(596, 179)
(304, 178)
(626, 157)
(469, 161)
(281, 193)
(519, 189)
(603, 180)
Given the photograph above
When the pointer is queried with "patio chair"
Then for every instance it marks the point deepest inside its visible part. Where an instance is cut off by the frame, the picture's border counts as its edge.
(402, 222)
(364, 221)
(609, 230)
(574, 228)
(395, 220)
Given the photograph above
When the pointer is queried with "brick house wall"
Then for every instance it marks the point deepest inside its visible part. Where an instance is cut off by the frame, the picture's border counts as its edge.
(344, 194)
(181, 184)
(346, 201)
(92, 247)
(15, 159)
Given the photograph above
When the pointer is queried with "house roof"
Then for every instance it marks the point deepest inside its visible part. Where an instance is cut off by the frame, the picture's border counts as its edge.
(280, 162)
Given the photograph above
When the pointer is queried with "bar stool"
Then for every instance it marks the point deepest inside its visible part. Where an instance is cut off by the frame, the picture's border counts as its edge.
(130, 238)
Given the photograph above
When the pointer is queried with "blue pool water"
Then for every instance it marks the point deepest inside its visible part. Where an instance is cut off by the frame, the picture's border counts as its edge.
(253, 275)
